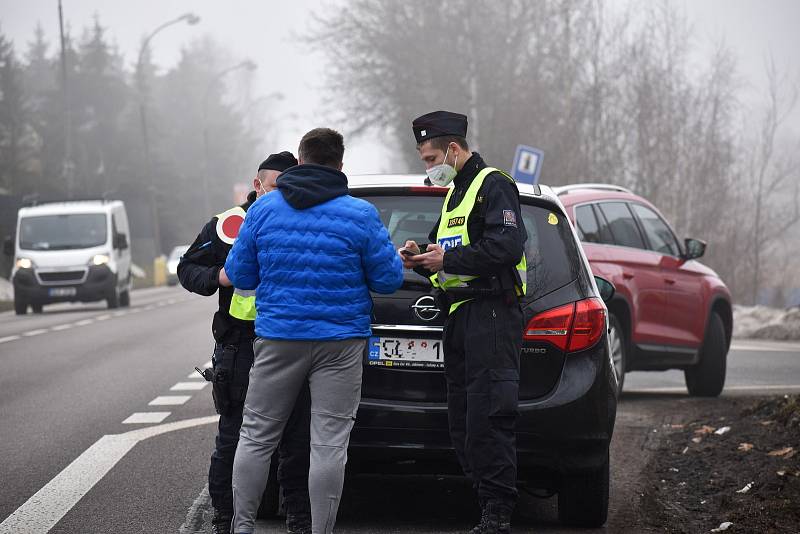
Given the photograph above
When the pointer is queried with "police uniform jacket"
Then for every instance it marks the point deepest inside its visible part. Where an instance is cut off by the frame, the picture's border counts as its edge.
(198, 272)
(497, 239)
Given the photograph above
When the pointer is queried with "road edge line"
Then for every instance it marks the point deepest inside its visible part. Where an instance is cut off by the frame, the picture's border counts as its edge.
(45, 508)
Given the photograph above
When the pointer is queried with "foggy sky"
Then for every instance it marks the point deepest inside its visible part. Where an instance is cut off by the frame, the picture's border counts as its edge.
(266, 31)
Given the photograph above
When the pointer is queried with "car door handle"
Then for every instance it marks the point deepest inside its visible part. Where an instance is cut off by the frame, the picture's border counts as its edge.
(627, 276)
(669, 281)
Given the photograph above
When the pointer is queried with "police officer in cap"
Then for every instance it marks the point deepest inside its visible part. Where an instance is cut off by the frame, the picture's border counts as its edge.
(476, 260)
(201, 270)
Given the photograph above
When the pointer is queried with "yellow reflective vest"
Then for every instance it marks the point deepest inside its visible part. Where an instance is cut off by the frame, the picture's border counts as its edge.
(452, 232)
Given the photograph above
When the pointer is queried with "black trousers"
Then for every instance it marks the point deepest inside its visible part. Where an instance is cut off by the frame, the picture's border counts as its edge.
(482, 343)
(293, 452)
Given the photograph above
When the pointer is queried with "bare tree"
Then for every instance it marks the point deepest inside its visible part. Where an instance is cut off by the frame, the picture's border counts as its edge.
(776, 174)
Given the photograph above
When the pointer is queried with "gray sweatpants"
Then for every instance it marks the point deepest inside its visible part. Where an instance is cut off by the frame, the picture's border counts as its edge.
(333, 369)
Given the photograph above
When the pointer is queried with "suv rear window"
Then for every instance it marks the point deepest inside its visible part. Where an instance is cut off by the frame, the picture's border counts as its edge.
(551, 251)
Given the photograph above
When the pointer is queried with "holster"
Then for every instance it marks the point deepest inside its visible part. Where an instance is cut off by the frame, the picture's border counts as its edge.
(230, 378)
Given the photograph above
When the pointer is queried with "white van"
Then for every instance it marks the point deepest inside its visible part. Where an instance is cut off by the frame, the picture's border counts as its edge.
(72, 252)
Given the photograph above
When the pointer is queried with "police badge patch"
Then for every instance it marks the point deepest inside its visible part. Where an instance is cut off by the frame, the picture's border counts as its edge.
(509, 218)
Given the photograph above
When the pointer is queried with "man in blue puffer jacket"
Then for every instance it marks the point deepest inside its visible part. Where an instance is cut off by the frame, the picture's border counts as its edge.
(312, 253)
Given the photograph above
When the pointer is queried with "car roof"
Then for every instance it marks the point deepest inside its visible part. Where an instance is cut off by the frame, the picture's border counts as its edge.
(370, 181)
(580, 193)
(68, 207)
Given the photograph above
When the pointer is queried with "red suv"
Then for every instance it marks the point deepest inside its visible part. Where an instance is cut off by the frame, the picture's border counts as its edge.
(669, 311)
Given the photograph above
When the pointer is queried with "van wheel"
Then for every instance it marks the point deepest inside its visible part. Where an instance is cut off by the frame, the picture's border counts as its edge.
(707, 378)
(113, 299)
(37, 308)
(583, 499)
(20, 307)
(125, 299)
(271, 499)
(618, 342)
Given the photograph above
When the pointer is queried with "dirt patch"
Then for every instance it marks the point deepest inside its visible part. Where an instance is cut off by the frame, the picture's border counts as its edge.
(738, 463)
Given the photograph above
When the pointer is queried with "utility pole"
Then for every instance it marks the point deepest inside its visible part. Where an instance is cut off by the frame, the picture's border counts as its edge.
(141, 82)
(67, 167)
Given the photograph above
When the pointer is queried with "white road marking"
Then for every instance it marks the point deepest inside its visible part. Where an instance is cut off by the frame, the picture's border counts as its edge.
(145, 418)
(171, 301)
(765, 346)
(47, 506)
(35, 332)
(60, 327)
(119, 313)
(104, 317)
(209, 363)
(150, 307)
(8, 338)
(169, 400)
(84, 322)
(195, 374)
(189, 386)
(681, 389)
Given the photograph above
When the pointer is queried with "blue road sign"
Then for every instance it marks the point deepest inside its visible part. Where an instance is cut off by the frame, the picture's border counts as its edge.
(527, 164)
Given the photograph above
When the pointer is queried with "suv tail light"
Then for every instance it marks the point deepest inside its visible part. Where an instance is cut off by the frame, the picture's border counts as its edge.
(572, 327)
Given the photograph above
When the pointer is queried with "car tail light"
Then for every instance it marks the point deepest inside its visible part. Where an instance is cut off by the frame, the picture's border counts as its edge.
(552, 326)
(572, 327)
(590, 321)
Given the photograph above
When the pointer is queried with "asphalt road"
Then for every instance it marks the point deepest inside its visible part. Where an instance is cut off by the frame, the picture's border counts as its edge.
(74, 380)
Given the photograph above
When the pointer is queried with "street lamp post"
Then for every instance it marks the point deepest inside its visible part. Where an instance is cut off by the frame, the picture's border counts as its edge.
(247, 65)
(191, 19)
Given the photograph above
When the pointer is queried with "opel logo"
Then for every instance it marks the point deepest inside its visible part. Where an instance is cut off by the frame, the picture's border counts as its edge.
(425, 308)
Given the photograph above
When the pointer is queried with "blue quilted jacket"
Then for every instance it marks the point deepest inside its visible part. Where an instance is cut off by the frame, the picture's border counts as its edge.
(313, 253)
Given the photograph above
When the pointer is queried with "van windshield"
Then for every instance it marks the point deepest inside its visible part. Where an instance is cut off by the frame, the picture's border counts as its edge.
(62, 232)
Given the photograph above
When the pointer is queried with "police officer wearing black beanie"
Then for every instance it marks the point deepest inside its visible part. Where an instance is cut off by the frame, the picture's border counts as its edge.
(201, 271)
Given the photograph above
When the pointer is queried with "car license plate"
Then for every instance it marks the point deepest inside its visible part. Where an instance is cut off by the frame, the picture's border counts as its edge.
(62, 291)
(405, 352)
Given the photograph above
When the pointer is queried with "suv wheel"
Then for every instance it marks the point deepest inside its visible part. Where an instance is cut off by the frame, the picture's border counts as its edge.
(618, 343)
(20, 307)
(707, 378)
(583, 499)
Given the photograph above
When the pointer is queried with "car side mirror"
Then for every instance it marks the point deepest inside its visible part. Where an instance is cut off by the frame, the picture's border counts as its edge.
(695, 248)
(605, 287)
(8, 246)
(121, 241)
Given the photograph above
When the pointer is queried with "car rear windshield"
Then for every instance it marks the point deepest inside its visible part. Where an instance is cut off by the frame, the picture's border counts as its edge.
(551, 251)
(62, 232)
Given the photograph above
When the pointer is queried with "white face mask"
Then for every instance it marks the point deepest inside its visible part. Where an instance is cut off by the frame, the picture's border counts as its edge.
(443, 173)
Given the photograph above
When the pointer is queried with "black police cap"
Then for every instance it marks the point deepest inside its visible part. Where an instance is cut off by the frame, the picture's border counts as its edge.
(278, 162)
(439, 123)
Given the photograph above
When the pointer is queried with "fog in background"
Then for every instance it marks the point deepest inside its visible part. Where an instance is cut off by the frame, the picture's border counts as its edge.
(313, 70)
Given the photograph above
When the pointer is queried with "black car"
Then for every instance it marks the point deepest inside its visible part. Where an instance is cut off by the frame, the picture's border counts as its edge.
(567, 398)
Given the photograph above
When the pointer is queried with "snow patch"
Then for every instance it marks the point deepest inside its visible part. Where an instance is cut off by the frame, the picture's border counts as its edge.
(762, 322)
